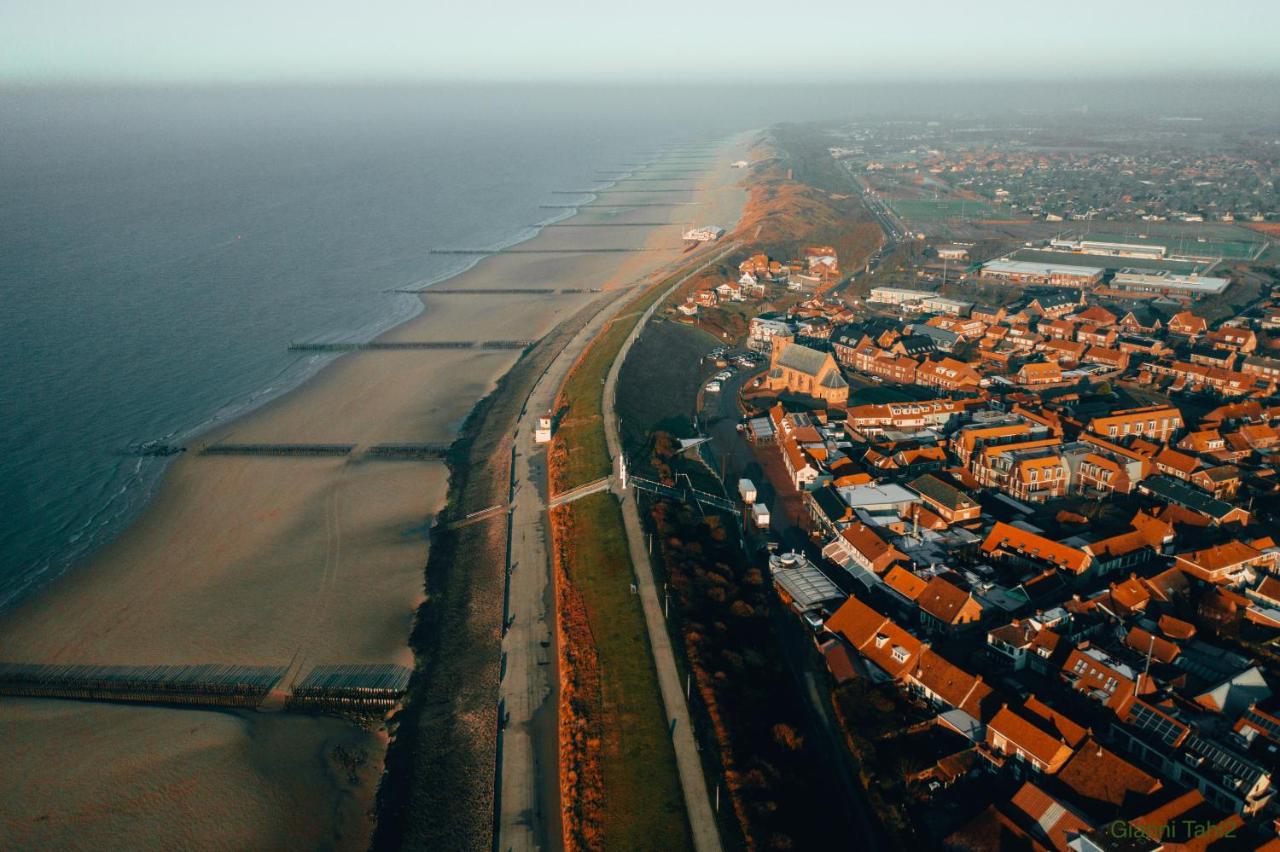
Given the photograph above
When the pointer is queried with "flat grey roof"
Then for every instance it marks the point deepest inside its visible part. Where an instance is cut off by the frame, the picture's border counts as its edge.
(1026, 267)
(807, 586)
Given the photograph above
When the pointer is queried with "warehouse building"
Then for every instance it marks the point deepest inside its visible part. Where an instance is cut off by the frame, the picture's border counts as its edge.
(1151, 281)
(1045, 274)
(1150, 251)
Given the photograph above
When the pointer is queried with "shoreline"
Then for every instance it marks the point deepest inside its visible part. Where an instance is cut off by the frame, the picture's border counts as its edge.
(248, 561)
(125, 508)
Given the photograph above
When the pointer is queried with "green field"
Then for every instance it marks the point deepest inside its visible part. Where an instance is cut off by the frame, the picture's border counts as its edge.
(644, 802)
(929, 210)
(1200, 241)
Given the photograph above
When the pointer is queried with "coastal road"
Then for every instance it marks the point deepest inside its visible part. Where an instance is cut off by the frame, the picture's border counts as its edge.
(528, 773)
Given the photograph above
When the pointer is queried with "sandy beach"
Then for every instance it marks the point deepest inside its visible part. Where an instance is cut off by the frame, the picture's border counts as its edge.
(290, 562)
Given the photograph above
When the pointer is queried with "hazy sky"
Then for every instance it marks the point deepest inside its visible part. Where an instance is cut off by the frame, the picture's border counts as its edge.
(286, 40)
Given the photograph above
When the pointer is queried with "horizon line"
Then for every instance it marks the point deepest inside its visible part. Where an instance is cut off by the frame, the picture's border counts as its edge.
(627, 80)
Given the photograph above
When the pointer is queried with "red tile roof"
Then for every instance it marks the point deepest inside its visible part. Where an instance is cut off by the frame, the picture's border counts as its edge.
(955, 686)
(1100, 775)
(876, 637)
(1044, 747)
(904, 582)
(1145, 642)
(1046, 819)
(948, 603)
(1176, 628)
(1032, 546)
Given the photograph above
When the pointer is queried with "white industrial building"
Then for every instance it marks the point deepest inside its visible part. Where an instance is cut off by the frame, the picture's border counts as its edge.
(1051, 274)
(925, 300)
(1153, 281)
(1147, 250)
(897, 295)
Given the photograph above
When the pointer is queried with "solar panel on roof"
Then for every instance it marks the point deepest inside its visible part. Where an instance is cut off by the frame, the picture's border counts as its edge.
(1157, 724)
(1223, 760)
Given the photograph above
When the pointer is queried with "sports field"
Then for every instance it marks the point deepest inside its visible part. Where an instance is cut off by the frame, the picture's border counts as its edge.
(1208, 241)
(929, 210)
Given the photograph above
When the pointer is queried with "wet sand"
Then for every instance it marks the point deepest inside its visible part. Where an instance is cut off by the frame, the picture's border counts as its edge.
(290, 562)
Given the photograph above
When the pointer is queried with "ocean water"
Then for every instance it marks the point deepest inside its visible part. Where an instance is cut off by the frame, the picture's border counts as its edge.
(159, 250)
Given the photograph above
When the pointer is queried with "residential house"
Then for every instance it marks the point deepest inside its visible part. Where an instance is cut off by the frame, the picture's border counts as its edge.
(1015, 739)
(889, 650)
(947, 608)
(1242, 340)
(1156, 422)
(1010, 543)
(1188, 376)
(1262, 367)
(1096, 336)
(1187, 324)
(1104, 782)
(1055, 305)
(1222, 481)
(1095, 315)
(1102, 677)
(1213, 356)
(1192, 500)
(968, 702)
(1176, 464)
(948, 374)
(1046, 373)
(948, 502)
(1230, 563)
(858, 546)
(1064, 352)
(1141, 320)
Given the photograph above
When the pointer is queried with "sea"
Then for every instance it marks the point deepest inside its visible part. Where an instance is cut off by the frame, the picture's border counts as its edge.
(160, 248)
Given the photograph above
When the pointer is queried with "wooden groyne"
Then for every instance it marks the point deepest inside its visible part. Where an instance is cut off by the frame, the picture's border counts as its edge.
(586, 207)
(541, 251)
(203, 685)
(406, 452)
(278, 450)
(350, 690)
(377, 452)
(343, 690)
(483, 291)
(153, 448)
(409, 345)
(621, 191)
